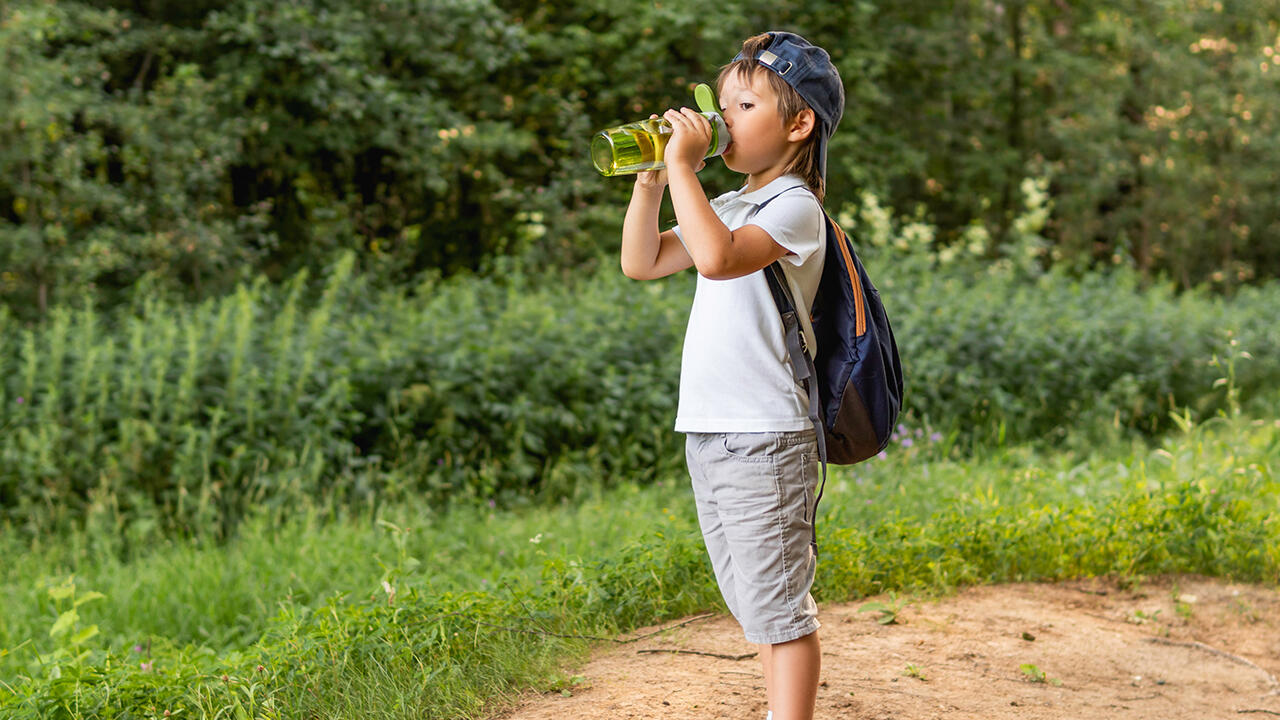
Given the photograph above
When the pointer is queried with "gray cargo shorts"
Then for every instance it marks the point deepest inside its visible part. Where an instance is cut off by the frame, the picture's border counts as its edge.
(755, 498)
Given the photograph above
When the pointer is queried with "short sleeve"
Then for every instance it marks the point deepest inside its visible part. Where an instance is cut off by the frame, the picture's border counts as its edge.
(794, 220)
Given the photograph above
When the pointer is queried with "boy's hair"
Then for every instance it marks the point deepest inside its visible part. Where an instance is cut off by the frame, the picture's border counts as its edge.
(806, 163)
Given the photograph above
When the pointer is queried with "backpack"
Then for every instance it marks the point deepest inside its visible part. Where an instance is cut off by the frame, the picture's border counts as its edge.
(855, 382)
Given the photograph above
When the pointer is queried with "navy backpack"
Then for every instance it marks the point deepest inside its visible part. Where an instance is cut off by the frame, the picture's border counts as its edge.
(855, 382)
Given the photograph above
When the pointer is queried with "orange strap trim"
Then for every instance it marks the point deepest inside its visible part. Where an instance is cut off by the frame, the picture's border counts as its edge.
(860, 310)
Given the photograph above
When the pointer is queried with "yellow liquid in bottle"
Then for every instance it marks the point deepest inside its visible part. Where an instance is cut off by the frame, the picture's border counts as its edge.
(640, 146)
(632, 148)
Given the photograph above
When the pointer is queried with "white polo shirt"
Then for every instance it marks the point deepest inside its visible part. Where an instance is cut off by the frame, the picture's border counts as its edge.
(735, 375)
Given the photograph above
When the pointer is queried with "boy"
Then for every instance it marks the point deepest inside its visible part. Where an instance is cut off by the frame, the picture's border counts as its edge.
(750, 446)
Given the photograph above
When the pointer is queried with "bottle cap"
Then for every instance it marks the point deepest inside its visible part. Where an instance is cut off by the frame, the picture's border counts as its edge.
(705, 97)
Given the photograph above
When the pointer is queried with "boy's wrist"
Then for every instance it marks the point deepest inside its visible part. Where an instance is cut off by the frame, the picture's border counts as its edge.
(649, 188)
(681, 172)
(677, 166)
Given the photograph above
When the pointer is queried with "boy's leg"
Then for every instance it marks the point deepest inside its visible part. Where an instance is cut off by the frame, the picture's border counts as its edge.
(794, 689)
(766, 662)
(755, 494)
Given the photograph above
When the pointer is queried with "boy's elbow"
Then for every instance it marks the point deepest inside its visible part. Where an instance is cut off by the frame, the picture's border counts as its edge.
(717, 259)
(633, 272)
(716, 267)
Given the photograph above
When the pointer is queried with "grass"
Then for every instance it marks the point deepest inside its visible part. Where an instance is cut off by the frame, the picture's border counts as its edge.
(225, 595)
(295, 621)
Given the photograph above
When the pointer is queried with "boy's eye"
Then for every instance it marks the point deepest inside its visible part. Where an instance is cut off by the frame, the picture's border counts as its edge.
(745, 105)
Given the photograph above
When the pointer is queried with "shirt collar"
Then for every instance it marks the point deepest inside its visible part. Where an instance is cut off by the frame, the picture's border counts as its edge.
(773, 189)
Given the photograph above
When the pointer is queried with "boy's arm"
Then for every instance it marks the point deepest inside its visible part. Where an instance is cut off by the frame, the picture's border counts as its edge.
(646, 254)
(717, 252)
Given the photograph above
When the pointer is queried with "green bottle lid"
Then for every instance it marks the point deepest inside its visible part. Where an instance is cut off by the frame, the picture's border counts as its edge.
(705, 97)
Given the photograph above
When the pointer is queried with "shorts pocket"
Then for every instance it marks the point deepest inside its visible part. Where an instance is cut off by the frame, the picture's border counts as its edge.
(748, 447)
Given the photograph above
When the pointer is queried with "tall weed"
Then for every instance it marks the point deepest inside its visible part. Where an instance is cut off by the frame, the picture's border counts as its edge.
(473, 388)
(336, 392)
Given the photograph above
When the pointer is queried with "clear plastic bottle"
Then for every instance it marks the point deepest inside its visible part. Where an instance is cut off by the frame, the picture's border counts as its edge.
(639, 146)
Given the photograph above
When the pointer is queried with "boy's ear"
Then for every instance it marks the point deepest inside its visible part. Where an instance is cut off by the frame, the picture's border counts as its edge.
(801, 125)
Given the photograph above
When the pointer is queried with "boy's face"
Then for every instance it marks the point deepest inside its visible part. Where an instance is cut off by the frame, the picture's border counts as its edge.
(760, 140)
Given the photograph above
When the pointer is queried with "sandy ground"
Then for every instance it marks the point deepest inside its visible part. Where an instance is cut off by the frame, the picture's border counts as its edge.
(1168, 648)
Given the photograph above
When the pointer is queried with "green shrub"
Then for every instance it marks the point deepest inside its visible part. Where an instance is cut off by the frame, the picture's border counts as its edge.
(179, 418)
(1003, 355)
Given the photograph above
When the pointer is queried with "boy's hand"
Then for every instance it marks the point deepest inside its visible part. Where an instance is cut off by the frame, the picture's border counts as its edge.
(690, 139)
(652, 179)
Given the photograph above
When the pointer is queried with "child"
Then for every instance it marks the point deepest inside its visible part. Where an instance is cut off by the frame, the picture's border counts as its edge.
(750, 445)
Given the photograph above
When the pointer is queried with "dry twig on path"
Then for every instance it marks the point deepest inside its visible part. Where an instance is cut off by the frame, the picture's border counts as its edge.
(682, 623)
(699, 652)
(1271, 679)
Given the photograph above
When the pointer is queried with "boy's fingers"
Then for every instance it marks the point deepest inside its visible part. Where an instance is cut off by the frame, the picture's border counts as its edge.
(696, 117)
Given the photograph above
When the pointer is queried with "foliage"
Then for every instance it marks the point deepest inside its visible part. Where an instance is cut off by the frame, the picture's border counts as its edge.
(179, 147)
(1034, 674)
(387, 127)
(105, 183)
(1201, 502)
(179, 419)
(1001, 346)
(1169, 509)
(889, 610)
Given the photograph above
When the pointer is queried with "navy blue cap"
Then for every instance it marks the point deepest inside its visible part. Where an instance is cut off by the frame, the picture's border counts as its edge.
(808, 69)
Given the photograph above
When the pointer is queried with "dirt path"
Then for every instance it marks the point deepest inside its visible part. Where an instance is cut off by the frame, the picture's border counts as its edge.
(1168, 649)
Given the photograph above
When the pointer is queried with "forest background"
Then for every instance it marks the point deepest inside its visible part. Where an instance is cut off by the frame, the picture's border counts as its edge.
(182, 147)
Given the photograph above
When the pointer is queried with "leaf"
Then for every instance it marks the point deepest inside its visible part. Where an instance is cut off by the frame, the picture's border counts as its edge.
(1033, 672)
(91, 595)
(65, 622)
(63, 591)
(84, 635)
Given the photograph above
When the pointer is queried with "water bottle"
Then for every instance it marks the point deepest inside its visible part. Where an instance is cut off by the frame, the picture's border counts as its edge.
(639, 146)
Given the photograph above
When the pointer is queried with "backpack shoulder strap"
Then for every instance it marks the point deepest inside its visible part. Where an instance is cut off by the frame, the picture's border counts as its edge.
(805, 372)
(801, 359)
